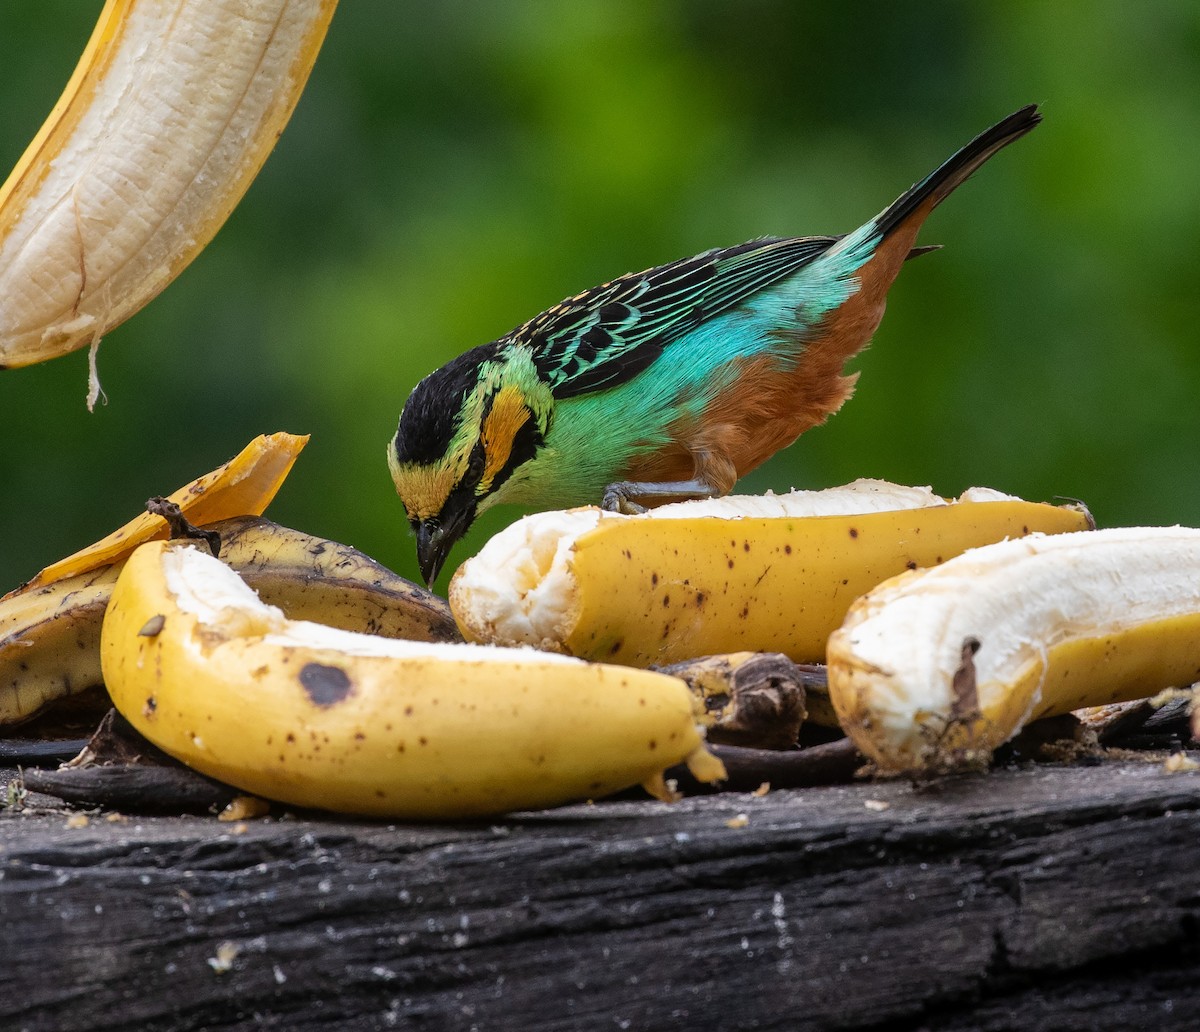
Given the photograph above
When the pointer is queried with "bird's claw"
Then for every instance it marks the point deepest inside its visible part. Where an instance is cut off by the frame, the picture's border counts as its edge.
(617, 498)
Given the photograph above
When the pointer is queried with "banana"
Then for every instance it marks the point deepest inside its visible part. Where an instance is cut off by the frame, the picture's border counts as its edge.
(935, 668)
(772, 573)
(50, 642)
(50, 635)
(50, 626)
(243, 486)
(317, 717)
(169, 115)
(314, 579)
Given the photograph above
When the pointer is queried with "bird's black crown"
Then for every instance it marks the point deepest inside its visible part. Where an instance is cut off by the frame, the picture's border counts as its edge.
(433, 412)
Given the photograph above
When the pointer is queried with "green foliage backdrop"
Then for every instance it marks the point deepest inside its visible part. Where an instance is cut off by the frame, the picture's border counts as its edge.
(453, 168)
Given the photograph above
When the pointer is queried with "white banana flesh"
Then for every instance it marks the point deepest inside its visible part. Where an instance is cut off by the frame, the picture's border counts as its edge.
(319, 717)
(935, 668)
(172, 110)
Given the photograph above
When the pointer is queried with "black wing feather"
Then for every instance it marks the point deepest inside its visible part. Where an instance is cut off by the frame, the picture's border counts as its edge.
(607, 335)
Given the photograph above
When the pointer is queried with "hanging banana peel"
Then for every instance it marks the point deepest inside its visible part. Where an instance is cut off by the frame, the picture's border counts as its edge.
(169, 115)
(935, 668)
(308, 715)
(773, 573)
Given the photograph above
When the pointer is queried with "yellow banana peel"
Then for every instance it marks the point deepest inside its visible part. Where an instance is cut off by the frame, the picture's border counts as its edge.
(169, 115)
(933, 669)
(771, 573)
(318, 717)
(243, 486)
(50, 642)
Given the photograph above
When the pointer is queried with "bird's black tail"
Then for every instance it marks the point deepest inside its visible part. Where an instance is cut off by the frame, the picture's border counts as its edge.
(940, 183)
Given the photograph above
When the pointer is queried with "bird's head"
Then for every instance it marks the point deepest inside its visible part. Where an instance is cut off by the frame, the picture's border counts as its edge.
(465, 429)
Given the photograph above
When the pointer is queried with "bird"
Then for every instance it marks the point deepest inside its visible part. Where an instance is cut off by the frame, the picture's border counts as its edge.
(661, 385)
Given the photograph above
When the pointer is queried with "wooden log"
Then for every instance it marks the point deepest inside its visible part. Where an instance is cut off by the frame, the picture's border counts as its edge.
(141, 789)
(1035, 898)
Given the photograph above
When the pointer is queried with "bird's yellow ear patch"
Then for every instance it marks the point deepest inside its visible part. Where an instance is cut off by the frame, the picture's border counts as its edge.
(506, 416)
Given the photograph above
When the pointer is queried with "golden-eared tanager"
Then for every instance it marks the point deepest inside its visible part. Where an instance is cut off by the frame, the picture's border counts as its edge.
(664, 384)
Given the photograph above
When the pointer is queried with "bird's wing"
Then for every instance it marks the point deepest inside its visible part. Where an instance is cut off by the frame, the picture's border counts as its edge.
(607, 335)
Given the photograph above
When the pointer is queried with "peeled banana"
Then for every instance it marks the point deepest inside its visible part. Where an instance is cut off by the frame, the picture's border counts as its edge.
(933, 669)
(169, 115)
(773, 573)
(50, 635)
(318, 717)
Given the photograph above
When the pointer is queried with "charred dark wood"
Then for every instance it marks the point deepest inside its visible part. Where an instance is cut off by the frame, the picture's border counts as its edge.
(118, 769)
(27, 752)
(1035, 898)
(832, 763)
(1169, 727)
(133, 788)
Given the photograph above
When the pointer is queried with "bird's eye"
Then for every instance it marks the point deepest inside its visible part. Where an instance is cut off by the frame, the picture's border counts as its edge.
(476, 464)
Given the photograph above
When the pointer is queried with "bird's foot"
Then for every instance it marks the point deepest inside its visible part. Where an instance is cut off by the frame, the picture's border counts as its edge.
(617, 498)
(627, 496)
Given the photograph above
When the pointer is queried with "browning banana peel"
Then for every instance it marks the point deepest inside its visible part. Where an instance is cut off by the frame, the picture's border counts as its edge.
(754, 699)
(762, 574)
(316, 717)
(934, 669)
(50, 626)
(315, 579)
(50, 635)
(50, 642)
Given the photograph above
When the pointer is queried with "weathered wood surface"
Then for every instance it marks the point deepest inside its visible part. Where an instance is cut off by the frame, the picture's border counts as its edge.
(1041, 898)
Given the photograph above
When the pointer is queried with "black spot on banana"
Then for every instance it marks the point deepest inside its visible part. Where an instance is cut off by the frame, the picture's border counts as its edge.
(326, 685)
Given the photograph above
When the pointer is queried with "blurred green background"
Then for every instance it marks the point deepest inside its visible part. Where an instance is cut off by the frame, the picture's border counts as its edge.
(454, 168)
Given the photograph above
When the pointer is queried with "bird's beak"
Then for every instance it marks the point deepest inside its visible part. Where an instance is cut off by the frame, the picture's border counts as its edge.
(433, 545)
(437, 535)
